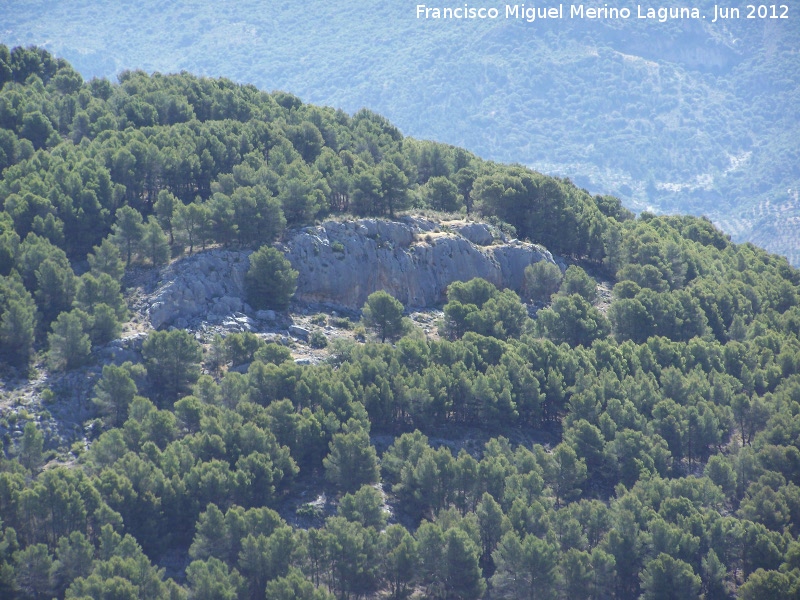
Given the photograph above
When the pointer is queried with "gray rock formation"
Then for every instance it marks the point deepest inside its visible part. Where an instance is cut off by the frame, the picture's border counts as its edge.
(340, 264)
(343, 263)
(301, 333)
(208, 285)
(477, 233)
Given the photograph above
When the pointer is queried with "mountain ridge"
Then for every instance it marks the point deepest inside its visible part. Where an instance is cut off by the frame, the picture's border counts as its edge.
(551, 95)
(628, 425)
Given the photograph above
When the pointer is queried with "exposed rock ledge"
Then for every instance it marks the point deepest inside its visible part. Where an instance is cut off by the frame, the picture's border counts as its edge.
(341, 263)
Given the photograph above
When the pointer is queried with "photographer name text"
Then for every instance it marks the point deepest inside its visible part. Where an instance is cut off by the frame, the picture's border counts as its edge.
(661, 14)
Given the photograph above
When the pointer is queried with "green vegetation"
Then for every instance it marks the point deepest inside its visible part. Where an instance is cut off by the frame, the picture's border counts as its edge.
(687, 116)
(270, 280)
(171, 359)
(650, 447)
(69, 343)
(384, 315)
(542, 280)
(577, 281)
(480, 307)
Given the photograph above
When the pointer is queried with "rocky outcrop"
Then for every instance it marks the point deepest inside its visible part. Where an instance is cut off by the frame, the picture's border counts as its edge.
(208, 285)
(413, 259)
(480, 234)
(341, 263)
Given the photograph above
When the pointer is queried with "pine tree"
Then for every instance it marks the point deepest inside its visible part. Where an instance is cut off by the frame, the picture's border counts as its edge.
(464, 577)
(352, 461)
(69, 343)
(165, 212)
(128, 231)
(105, 258)
(384, 315)
(17, 322)
(114, 392)
(30, 451)
(154, 243)
(173, 361)
(270, 281)
(55, 288)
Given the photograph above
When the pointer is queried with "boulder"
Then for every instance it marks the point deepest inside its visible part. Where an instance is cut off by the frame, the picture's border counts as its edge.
(479, 234)
(306, 360)
(301, 333)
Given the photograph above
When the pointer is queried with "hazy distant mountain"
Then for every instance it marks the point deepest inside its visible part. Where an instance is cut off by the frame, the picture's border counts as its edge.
(685, 115)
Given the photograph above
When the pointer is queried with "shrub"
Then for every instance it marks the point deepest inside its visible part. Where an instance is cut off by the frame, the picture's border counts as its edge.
(341, 323)
(318, 340)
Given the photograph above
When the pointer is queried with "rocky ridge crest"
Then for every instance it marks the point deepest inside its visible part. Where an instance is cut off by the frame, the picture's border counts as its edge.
(341, 263)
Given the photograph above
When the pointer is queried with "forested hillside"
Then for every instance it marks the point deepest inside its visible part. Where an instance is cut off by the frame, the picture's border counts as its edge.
(683, 116)
(645, 445)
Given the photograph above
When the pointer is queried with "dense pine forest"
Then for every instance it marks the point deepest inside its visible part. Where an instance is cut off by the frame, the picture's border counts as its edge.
(647, 446)
(690, 116)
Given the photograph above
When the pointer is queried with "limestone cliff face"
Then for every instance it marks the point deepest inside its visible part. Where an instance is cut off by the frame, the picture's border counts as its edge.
(208, 286)
(340, 264)
(343, 263)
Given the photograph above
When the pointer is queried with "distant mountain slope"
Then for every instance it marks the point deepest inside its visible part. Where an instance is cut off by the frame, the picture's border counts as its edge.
(681, 116)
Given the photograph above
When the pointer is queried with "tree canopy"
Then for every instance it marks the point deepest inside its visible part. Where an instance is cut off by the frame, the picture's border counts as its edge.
(384, 315)
(637, 443)
(270, 280)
